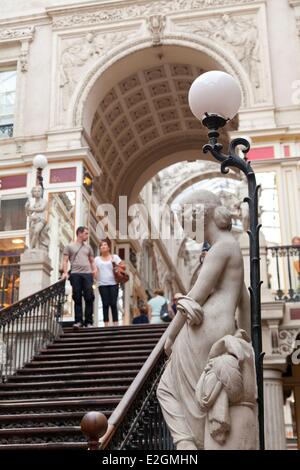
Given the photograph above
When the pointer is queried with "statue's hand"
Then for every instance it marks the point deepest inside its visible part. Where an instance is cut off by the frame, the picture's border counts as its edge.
(168, 346)
(191, 309)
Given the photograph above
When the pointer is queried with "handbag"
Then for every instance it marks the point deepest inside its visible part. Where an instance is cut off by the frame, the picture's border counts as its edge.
(164, 313)
(120, 274)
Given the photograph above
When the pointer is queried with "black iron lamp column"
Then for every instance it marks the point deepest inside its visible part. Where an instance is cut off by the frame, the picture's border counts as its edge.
(214, 99)
(40, 162)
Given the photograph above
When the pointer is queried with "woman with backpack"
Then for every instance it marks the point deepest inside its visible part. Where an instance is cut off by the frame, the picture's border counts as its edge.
(159, 308)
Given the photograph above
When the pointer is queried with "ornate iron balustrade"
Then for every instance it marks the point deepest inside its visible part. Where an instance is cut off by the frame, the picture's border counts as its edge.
(144, 427)
(286, 281)
(137, 423)
(9, 284)
(28, 326)
(6, 130)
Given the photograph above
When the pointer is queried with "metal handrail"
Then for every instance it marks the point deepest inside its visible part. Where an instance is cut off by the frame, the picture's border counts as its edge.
(29, 325)
(137, 422)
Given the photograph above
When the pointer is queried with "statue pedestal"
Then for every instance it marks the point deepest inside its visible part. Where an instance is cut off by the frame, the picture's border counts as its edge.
(35, 269)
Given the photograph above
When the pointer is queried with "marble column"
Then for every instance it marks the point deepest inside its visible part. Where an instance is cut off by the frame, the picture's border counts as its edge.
(273, 403)
(35, 270)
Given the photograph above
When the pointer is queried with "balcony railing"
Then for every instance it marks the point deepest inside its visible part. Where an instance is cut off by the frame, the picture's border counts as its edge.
(6, 130)
(9, 284)
(284, 272)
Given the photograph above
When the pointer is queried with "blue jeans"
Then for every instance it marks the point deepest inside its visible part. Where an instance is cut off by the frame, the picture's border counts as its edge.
(82, 285)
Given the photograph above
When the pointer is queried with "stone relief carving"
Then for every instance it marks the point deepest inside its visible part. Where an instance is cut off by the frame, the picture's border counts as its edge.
(156, 24)
(13, 34)
(135, 11)
(240, 33)
(287, 340)
(80, 53)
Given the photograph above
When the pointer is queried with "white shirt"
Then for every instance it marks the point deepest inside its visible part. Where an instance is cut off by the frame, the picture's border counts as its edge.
(105, 270)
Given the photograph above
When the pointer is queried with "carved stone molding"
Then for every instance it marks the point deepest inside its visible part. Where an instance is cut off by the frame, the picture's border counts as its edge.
(156, 24)
(136, 11)
(19, 34)
(287, 339)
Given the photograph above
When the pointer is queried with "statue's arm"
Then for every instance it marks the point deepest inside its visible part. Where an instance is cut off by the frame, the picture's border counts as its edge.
(173, 330)
(210, 272)
(42, 208)
(244, 311)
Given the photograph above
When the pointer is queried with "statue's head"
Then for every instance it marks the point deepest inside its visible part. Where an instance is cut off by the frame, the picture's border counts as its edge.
(206, 206)
(37, 191)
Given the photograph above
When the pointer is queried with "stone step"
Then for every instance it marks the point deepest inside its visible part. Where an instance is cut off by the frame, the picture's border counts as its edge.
(33, 378)
(39, 435)
(92, 355)
(58, 405)
(79, 367)
(46, 446)
(76, 392)
(43, 419)
(97, 346)
(130, 357)
(12, 387)
(88, 369)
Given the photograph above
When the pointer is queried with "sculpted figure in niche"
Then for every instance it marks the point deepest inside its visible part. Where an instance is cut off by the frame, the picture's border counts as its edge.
(36, 212)
(204, 329)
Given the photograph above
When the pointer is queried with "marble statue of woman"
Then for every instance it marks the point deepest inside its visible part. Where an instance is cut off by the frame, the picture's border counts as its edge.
(36, 212)
(215, 306)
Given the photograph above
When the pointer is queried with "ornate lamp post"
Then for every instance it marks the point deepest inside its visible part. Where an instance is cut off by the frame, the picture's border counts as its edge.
(40, 162)
(214, 99)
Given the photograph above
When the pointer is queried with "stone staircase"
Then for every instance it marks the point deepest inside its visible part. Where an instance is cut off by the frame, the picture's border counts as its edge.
(89, 369)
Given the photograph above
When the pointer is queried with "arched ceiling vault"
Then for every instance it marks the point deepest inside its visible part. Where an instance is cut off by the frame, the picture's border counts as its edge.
(143, 124)
(195, 179)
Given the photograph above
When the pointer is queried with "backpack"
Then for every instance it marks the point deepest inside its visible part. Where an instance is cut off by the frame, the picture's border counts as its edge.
(164, 313)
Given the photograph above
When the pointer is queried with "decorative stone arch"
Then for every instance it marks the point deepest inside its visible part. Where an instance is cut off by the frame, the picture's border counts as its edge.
(195, 179)
(85, 90)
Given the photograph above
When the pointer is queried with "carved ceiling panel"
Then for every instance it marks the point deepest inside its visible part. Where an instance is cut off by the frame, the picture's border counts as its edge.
(139, 110)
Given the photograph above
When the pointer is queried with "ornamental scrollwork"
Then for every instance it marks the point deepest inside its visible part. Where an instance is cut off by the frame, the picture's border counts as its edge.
(287, 340)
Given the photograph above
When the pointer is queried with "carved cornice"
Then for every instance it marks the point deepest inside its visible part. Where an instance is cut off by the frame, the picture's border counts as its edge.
(92, 15)
(17, 34)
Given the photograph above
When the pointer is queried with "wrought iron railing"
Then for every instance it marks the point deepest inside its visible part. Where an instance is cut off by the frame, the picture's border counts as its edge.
(6, 130)
(284, 272)
(138, 423)
(28, 326)
(9, 284)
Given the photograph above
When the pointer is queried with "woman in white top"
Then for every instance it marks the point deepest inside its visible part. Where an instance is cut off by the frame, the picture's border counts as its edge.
(107, 284)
